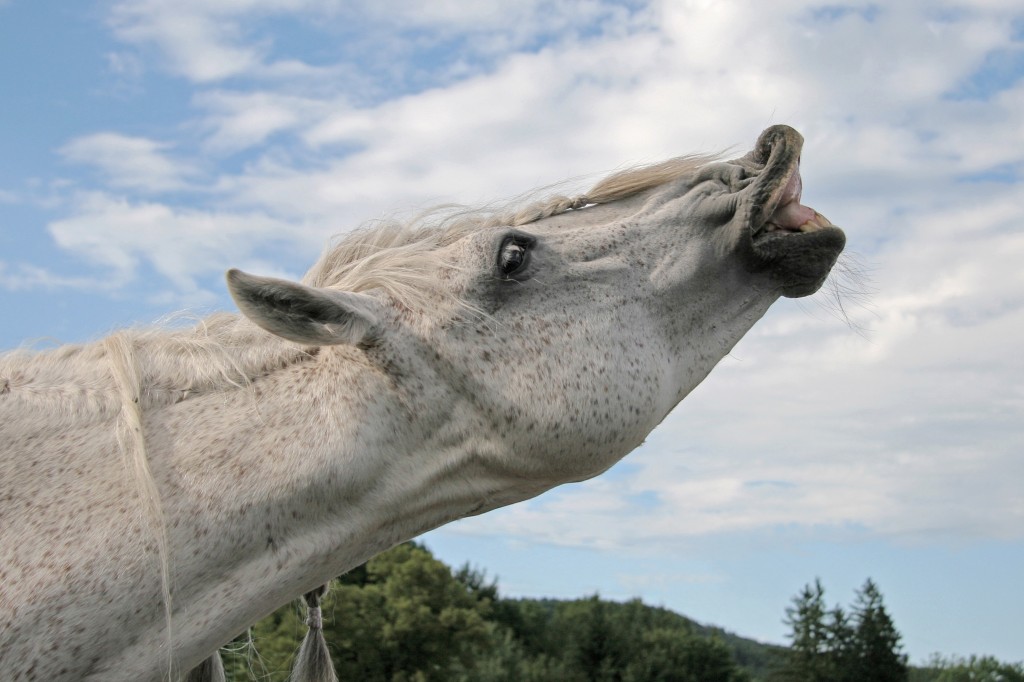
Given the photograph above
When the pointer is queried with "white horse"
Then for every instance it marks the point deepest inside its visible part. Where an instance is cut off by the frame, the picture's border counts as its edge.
(160, 491)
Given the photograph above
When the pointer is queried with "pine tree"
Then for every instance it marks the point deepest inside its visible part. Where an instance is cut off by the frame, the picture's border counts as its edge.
(840, 647)
(877, 654)
(807, 660)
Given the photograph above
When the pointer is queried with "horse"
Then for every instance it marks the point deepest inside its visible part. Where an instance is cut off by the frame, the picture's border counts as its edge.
(162, 489)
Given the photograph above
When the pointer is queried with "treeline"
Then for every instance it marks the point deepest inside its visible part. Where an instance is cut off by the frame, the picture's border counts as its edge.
(970, 669)
(407, 617)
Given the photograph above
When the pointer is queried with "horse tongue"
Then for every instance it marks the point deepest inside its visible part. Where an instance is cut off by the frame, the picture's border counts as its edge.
(791, 214)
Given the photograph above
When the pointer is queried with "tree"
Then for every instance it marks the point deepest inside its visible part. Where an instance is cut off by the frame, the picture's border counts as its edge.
(475, 580)
(676, 655)
(808, 659)
(401, 617)
(603, 641)
(422, 620)
(593, 645)
(505, 659)
(876, 640)
(840, 646)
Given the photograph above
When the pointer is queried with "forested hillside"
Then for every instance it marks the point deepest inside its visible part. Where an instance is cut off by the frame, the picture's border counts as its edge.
(407, 617)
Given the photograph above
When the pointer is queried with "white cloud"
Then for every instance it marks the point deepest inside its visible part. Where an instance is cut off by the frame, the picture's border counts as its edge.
(183, 245)
(130, 162)
(242, 120)
(212, 41)
(196, 43)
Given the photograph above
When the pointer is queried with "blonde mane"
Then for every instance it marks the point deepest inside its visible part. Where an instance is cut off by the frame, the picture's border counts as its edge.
(226, 350)
(390, 255)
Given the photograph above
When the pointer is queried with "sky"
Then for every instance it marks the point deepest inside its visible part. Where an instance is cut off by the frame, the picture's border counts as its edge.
(148, 145)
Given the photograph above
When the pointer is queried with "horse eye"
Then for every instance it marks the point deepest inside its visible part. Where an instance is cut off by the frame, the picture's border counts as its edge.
(512, 255)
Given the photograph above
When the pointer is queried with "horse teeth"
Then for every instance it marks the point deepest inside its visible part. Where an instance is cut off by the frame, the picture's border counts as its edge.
(816, 223)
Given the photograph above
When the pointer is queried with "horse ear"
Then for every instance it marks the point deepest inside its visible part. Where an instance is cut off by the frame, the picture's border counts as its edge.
(306, 315)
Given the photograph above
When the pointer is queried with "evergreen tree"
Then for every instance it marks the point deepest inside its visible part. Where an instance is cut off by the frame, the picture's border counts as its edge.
(877, 654)
(475, 580)
(595, 647)
(808, 660)
(505, 659)
(840, 646)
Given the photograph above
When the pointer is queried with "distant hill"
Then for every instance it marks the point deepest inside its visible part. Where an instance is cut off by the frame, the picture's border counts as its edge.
(757, 659)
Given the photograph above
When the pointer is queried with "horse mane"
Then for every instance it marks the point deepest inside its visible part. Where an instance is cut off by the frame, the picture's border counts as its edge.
(226, 350)
(389, 255)
(76, 381)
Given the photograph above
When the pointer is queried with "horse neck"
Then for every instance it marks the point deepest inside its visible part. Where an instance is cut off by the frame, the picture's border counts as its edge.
(267, 490)
(273, 489)
(242, 473)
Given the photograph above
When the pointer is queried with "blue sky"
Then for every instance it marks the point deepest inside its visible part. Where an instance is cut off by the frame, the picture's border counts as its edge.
(148, 145)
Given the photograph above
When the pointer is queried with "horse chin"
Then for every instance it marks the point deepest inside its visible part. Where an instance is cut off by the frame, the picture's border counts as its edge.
(798, 263)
